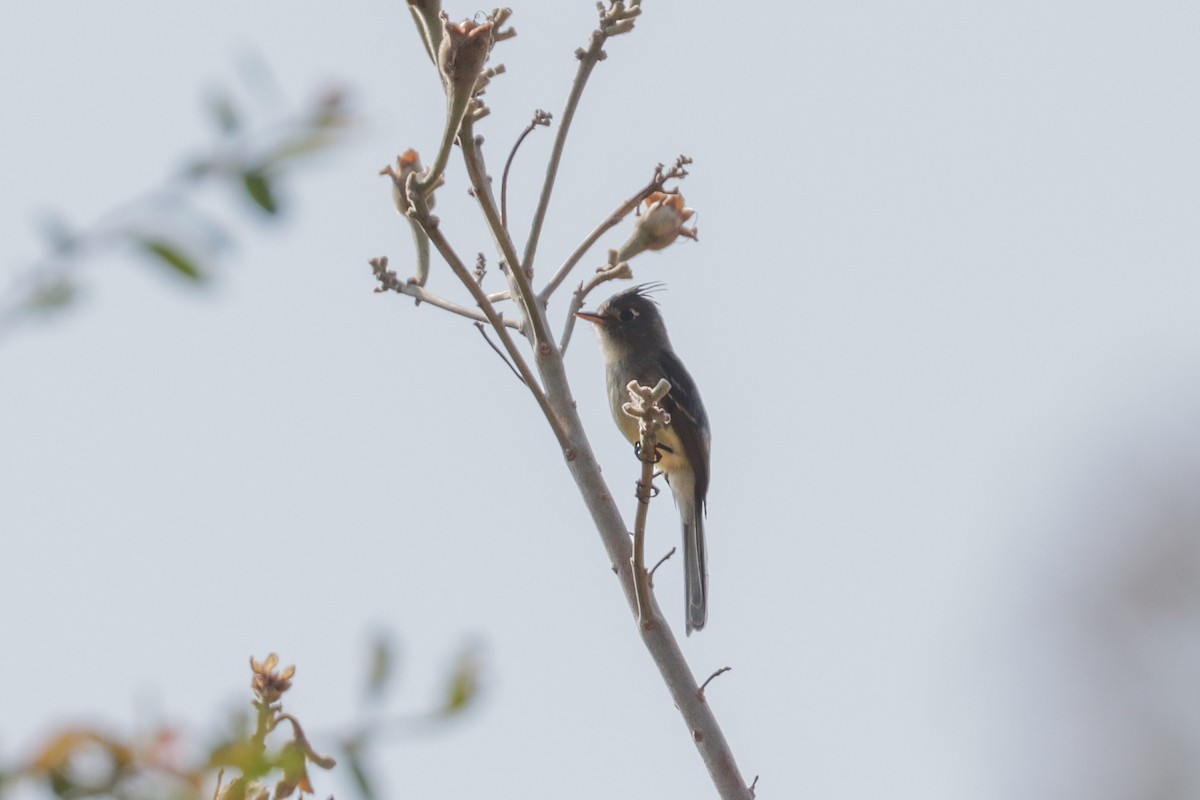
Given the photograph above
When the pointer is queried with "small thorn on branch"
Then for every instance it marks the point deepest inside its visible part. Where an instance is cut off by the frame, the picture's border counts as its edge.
(752, 785)
(721, 671)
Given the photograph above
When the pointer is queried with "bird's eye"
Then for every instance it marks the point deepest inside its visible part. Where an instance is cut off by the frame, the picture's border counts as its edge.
(627, 315)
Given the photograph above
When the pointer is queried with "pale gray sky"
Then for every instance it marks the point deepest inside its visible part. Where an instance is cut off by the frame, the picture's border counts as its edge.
(942, 312)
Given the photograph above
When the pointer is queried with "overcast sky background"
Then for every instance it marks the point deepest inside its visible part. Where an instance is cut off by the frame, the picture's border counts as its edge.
(943, 313)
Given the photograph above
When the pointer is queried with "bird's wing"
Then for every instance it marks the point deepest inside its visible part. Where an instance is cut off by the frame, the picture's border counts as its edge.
(688, 420)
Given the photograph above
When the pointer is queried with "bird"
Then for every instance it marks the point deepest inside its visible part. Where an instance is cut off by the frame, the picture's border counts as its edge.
(635, 346)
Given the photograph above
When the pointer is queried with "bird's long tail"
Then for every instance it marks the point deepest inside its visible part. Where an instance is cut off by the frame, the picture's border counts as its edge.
(695, 565)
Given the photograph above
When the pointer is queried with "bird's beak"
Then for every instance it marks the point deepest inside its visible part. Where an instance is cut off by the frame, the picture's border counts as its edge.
(592, 317)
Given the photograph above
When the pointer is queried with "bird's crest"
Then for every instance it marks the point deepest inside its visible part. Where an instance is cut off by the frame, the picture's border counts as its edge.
(646, 290)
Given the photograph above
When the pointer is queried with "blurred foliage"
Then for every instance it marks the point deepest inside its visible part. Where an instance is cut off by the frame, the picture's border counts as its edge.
(261, 756)
(166, 225)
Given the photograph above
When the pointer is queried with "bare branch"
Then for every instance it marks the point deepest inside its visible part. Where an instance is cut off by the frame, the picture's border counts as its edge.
(616, 20)
(389, 282)
(518, 278)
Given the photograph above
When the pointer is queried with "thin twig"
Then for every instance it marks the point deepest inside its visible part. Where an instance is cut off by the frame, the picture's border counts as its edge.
(609, 273)
(588, 59)
(499, 352)
(704, 685)
(661, 561)
(388, 281)
(422, 243)
(540, 118)
(645, 491)
(618, 18)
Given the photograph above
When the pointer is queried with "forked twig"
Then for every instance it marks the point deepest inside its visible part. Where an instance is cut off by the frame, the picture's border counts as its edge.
(388, 281)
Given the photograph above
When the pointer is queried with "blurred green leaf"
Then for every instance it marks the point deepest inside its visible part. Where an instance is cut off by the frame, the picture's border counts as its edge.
(228, 120)
(201, 168)
(53, 294)
(243, 755)
(464, 684)
(292, 762)
(381, 667)
(331, 109)
(352, 750)
(167, 253)
(304, 145)
(58, 233)
(259, 188)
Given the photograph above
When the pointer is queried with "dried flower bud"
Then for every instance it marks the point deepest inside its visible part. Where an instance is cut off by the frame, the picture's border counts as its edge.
(659, 225)
(267, 683)
(406, 165)
(463, 52)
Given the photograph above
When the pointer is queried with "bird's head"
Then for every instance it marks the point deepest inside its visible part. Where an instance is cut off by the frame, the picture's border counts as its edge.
(628, 318)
